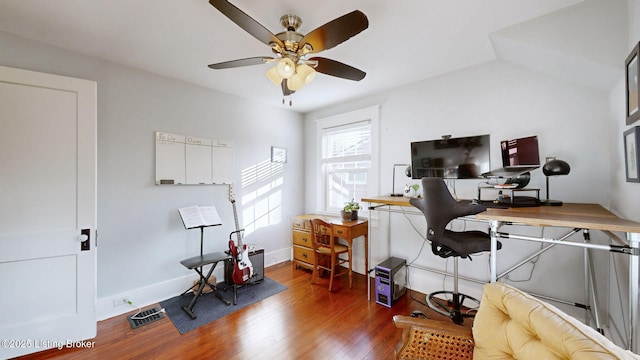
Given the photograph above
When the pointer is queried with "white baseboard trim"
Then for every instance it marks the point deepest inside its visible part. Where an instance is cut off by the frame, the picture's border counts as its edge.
(278, 256)
(142, 297)
(160, 291)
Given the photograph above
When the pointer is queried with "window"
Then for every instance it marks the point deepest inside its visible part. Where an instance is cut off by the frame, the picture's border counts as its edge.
(347, 158)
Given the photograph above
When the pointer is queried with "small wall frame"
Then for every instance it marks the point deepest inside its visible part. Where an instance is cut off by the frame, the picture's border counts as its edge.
(632, 70)
(632, 154)
(278, 155)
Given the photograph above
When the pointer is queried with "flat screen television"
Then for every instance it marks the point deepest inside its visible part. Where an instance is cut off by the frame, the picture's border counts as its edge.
(451, 158)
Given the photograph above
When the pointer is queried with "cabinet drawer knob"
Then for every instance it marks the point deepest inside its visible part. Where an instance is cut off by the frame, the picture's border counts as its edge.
(339, 231)
(304, 256)
(304, 239)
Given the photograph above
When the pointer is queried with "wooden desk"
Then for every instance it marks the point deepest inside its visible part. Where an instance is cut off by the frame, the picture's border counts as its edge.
(584, 216)
(301, 226)
(576, 216)
(388, 200)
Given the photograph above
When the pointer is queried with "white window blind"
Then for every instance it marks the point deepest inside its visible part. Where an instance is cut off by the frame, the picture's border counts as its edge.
(346, 161)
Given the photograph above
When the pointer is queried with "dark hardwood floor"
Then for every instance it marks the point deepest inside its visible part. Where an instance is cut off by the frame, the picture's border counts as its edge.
(303, 322)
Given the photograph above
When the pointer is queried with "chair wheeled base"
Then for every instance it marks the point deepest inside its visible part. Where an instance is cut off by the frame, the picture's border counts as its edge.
(454, 308)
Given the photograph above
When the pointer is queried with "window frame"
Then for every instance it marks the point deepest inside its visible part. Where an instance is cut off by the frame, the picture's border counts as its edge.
(370, 114)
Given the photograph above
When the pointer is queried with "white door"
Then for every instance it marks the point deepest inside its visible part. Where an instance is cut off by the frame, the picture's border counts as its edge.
(47, 207)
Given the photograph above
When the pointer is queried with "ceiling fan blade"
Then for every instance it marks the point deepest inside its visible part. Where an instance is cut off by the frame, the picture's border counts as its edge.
(241, 62)
(336, 31)
(338, 69)
(246, 22)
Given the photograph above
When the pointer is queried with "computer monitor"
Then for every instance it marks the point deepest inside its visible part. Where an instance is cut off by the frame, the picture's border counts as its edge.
(520, 152)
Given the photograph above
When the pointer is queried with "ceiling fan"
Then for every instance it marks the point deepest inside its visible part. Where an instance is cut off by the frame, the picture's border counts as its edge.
(294, 68)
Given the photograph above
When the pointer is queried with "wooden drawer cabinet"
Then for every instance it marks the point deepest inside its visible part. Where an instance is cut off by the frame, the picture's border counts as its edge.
(302, 250)
(302, 247)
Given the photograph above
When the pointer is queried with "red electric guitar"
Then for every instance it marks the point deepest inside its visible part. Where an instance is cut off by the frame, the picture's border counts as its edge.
(242, 267)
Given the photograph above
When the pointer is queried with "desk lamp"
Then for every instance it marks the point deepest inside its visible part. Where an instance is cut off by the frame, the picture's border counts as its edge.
(554, 167)
(407, 172)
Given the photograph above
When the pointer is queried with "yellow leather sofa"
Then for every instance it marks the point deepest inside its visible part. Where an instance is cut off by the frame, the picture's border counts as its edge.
(510, 324)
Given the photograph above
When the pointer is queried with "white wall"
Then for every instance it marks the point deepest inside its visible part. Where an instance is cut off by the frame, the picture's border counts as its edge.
(141, 238)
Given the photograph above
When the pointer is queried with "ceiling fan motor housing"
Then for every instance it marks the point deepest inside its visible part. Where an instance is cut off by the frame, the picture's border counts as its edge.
(291, 22)
(291, 37)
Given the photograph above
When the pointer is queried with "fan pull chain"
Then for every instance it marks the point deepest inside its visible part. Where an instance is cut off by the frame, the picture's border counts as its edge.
(290, 101)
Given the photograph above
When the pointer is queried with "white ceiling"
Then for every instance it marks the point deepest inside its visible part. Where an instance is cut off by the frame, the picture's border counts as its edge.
(407, 40)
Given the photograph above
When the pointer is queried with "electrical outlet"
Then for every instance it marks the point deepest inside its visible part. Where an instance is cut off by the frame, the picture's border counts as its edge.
(124, 300)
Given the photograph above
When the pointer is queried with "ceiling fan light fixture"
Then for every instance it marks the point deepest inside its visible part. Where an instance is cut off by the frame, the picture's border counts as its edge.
(295, 82)
(286, 67)
(273, 75)
(306, 72)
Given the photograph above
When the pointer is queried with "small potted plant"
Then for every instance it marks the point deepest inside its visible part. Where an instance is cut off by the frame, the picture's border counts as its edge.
(415, 188)
(350, 211)
(408, 190)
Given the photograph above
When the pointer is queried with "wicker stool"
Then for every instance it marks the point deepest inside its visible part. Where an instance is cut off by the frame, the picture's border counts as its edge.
(432, 339)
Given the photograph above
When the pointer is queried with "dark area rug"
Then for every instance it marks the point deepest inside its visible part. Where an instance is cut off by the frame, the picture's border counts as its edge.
(209, 308)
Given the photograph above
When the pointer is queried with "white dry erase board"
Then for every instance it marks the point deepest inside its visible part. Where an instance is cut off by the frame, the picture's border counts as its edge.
(183, 159)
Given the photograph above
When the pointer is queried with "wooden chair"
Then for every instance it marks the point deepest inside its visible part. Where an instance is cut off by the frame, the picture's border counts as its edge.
(326, 251)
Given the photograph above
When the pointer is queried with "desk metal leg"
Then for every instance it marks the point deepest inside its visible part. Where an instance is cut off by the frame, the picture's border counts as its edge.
(494, 224)
(634, 267)
(366, 259)
(368, 255)
(591, 284)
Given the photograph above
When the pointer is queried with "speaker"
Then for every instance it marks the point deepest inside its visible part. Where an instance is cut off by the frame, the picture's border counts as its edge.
(257, 260)
(256, 257)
